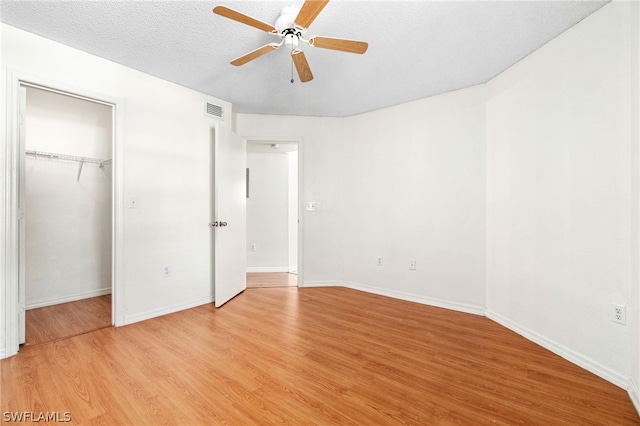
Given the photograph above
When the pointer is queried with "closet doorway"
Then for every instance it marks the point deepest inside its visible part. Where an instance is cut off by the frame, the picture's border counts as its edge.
(67, 195)
(272, 213)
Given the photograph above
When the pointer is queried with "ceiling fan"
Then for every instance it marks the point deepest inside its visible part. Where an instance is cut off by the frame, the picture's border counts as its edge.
(290, 27)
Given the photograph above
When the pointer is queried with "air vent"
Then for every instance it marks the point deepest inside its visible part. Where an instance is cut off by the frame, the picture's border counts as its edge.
(213, 110)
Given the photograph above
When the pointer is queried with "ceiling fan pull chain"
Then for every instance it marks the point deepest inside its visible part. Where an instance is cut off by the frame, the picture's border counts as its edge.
(292, 81)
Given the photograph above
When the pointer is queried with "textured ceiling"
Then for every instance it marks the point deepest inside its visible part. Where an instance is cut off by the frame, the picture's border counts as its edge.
(416, 48)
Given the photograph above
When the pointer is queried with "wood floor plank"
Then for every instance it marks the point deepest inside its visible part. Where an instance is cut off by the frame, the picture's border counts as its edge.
(326, 356)
(56, 322)
(271, 279)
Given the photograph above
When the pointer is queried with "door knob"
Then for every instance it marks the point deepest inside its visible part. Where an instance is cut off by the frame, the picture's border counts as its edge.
(223, 223)
(214, 224)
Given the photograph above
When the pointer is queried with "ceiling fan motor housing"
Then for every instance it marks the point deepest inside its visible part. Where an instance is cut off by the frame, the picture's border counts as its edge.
(286, 25)
(287, 18)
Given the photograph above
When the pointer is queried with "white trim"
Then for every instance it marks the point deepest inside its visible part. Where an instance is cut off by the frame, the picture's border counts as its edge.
(11, 223)
(425, 300)
(2, 354)
(300, 259)
(569, 354)
(14, 79)
(409, 297)
(67, 299)
(634, 394)
(309, 284)
(154, 313)
(252, 269)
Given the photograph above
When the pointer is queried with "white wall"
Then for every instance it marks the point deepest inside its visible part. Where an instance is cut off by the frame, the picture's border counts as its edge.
(561, 239)
(166, 159)
(414, 189)
(404, 182)
(268, 212)
(323, 170)
(68, 220)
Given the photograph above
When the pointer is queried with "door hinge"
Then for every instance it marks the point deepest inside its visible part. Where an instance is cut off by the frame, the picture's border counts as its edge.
(21, 308)
(20, 214)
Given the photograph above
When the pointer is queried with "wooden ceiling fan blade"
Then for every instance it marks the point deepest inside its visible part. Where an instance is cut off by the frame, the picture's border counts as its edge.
(254, 54)
(309, 11)
(344, 45)
(302, 66)
(244, 19)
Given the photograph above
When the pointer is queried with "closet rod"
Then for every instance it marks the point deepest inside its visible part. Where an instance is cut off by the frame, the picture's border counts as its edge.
(80, 160)
(52, 155)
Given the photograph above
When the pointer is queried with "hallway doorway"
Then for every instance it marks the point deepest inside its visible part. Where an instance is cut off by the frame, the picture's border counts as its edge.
(272, 212)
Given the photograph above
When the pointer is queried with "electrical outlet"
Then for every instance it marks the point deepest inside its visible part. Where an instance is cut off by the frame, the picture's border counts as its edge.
(252, 247)
(379, 261)
(619, 313)
(412, 265)
(166, 271)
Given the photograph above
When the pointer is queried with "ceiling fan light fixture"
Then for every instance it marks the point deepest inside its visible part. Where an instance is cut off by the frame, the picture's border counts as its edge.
(291, 40)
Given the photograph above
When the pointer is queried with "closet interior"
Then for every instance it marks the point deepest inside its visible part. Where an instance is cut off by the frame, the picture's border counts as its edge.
(68, 215)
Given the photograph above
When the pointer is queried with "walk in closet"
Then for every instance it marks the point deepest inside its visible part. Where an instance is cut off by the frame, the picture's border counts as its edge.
(68, 199)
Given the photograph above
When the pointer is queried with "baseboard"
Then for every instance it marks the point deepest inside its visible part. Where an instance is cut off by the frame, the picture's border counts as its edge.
(565, 352)
(634, 394)
(67, 299)
(3, 353)
(431, 301)
(321, 284)
(253, 269)
(293, 269)
(153, 313)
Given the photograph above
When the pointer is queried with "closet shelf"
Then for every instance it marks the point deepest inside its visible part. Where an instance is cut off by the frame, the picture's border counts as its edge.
(67, 157)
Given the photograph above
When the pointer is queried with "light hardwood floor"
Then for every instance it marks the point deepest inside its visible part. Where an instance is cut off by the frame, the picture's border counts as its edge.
(327, 356)
(271, 279)
(67, 319)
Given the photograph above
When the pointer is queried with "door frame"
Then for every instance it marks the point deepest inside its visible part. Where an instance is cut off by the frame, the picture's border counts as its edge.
(12, 187)
(300, 143)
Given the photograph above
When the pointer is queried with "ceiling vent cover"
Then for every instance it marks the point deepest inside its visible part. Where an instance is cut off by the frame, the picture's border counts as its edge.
(213, 110)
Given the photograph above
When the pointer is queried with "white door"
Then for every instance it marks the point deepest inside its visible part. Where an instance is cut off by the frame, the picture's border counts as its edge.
(22, 137)
(229, 223)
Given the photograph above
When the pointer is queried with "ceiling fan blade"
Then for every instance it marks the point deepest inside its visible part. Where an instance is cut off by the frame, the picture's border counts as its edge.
(308, 12)
(302, 66)
(244, 19)
(352, 46)
(254, 54)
